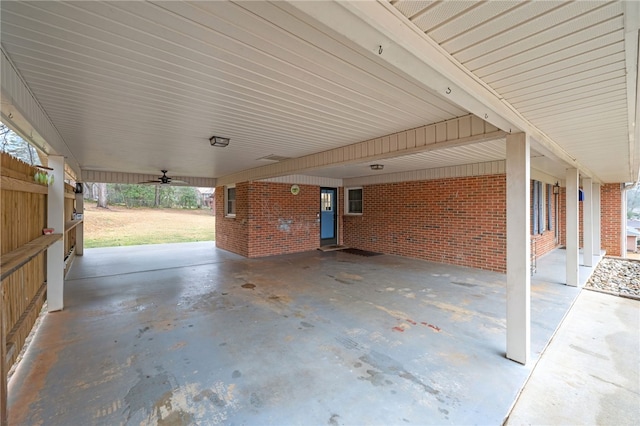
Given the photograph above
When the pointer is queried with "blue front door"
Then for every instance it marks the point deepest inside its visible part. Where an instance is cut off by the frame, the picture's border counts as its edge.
(328, 216)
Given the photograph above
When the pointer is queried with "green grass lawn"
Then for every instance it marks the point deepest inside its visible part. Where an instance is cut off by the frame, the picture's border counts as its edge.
(119, 226)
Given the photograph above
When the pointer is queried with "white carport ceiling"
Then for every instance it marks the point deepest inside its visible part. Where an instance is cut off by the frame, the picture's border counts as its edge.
(136, 86)
(559, 64)
(139, 86)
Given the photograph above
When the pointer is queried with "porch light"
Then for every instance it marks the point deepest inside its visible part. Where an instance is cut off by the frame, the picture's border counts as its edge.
(556, 188)
(377, 166)
(219, 141)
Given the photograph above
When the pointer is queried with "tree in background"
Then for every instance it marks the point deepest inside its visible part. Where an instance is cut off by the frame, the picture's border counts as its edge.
(102, 196)
(133, 195)
(14, 145)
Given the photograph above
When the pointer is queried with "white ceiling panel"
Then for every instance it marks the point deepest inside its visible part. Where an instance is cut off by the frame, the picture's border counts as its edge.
(138, 86)
(439, 13)
(561, 65)
(545, 23)
(156, 80)
(570, 46)
(411, 7)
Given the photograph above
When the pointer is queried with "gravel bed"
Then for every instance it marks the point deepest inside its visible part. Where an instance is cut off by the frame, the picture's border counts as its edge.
(617, 276)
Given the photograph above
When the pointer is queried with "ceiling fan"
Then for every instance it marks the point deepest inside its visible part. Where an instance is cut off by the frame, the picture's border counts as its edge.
(165, 180)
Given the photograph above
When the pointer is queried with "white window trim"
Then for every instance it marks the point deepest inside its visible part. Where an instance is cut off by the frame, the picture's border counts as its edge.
(226, 201)
(346, 201)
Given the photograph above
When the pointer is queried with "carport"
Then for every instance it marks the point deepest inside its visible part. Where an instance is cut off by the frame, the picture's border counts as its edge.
(480, 135)
(191, 334)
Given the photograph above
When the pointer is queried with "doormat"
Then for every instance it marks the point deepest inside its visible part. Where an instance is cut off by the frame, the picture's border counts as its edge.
(359, 252)
(333, 247)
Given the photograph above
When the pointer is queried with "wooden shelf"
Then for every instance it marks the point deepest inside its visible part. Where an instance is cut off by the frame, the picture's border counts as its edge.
(69, 225)
(12, 261)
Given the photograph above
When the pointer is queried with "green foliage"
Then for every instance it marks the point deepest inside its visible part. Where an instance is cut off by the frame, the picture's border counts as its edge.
(153, 196)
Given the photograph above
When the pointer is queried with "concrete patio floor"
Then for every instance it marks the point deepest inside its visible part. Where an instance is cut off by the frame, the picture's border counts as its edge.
(188, 334)
(590, 372)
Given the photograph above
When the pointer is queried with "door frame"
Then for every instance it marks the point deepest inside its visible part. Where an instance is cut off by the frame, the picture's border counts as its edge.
(336, 205)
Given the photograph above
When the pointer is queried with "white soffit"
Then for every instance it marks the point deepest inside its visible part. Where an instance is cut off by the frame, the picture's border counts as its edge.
(560, 64)
(476, 153)
(134, 87)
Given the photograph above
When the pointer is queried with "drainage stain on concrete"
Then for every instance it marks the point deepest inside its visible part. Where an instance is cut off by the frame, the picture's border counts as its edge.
(255, 400)
(184, 405)
(388, 365)
(588, 352)
(141, 397)
(464, 284)
(333, 420)
(142, 331)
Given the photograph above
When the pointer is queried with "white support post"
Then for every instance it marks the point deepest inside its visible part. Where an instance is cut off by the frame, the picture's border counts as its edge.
(80, 226)
(597, 242)
(572, 222)
(587, 222)
(518, 248)
(55, 220)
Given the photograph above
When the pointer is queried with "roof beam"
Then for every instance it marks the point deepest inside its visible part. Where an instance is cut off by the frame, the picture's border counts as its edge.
(381, 29)
(446, 134)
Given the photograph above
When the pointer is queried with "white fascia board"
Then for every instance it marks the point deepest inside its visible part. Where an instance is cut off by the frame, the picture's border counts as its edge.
(380, 28)
(631, 44)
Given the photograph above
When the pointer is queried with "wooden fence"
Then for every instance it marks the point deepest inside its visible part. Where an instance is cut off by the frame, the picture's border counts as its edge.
(23, 206)
(24, 215)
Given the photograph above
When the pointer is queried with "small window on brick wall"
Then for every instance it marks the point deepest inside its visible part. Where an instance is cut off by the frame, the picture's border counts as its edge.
(541, 207)
(230, 201)
(354, 201)
(549, 207)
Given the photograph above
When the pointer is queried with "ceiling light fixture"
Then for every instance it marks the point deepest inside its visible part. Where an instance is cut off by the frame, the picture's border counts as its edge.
(219, 141)
(377, 166)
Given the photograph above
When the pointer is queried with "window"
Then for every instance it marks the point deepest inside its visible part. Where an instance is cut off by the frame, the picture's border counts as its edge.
(326, 203)
(354, 201)
(541, 199)
(549, 212)
(230, 201)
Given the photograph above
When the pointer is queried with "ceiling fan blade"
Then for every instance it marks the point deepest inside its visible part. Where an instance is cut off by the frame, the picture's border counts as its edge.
(165, 180)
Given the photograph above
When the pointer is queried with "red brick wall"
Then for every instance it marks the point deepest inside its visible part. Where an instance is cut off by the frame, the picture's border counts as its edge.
(232, 234)
(457, 221)
(280, 222)
(270, 220)
(546, 241)
(611, 218)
